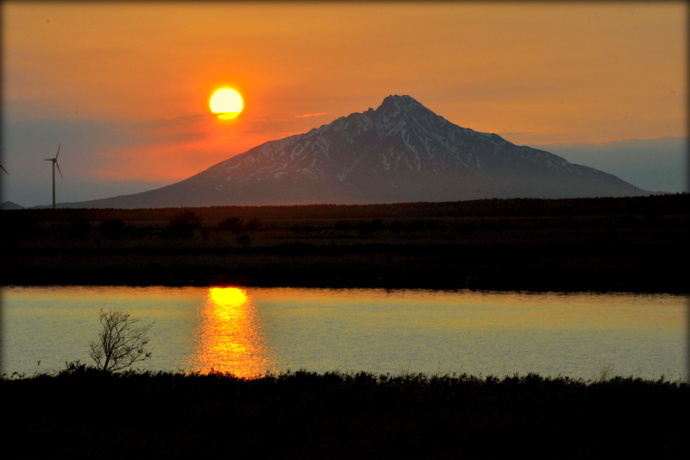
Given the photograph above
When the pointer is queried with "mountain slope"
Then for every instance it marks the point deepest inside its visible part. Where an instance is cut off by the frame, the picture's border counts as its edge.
(399, 152)
(659, 164)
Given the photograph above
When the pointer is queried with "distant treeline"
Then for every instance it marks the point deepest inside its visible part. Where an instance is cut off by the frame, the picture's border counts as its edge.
(652, 204)
(459, 218)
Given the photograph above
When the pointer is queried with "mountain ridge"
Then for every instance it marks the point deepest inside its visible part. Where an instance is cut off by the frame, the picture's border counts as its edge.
(398, 152)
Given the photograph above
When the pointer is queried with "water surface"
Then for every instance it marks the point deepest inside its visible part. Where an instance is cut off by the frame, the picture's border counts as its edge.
(250, 331)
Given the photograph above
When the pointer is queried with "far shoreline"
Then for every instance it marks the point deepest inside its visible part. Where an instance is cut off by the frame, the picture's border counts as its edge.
(548, 280)
(634, 244)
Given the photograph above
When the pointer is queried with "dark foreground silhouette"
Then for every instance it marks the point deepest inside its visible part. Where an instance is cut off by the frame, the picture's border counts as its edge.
(595, 244)
(82, 413)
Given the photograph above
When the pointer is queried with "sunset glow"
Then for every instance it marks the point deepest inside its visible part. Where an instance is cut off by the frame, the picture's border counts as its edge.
(132, 104)
(230, 336)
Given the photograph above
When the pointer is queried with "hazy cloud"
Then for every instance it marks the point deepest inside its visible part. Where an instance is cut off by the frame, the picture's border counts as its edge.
(309, 115)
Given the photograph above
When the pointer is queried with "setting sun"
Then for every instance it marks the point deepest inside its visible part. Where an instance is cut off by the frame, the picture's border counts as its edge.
(226, 103)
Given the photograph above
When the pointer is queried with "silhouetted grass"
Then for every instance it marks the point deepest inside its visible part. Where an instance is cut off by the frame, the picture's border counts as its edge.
(82, 413)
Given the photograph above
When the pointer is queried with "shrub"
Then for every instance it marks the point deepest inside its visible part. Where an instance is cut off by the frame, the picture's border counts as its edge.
(121, 342)
(182, 226)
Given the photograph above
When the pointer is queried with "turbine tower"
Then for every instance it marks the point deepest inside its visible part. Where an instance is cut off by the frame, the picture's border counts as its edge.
(55, 164)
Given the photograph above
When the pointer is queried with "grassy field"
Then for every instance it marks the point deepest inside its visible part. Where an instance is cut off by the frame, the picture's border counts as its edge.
(80, 413)
(576, 244)
(633, 244)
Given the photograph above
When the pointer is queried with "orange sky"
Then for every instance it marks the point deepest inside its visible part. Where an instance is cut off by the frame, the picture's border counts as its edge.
(125, 87)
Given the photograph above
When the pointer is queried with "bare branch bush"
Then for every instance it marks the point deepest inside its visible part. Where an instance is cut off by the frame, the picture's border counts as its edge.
(121, 342)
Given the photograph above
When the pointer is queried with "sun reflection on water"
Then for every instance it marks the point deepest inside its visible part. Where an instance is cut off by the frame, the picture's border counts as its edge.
(230, 335)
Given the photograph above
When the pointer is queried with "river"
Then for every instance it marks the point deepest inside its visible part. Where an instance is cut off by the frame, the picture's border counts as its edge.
(251, 331)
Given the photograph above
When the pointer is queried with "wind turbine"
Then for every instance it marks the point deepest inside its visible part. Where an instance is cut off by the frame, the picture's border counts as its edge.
(55, 164)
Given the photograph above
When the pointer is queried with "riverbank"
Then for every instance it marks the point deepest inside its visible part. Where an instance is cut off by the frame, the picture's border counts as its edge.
(577, 267)
(80, 413)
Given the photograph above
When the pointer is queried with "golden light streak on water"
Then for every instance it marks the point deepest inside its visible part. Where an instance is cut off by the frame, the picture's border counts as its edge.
(230, 335)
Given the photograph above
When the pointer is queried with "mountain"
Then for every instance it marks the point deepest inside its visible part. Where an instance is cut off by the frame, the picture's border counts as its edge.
(10, 205)
(399, 152)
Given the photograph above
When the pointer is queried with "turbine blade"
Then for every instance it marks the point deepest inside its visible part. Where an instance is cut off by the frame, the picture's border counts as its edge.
(58, 167)
(4, 170)
(58, 152)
